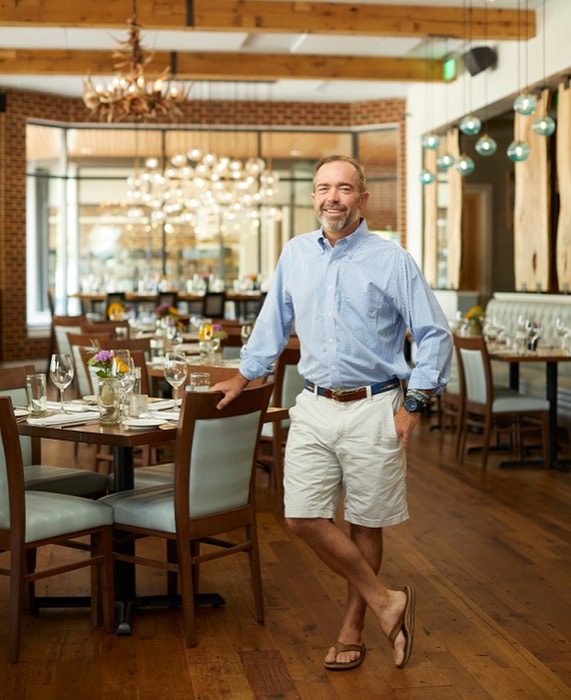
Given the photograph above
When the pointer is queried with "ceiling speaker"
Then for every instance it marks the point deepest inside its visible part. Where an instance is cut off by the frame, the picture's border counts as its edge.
(479, 58)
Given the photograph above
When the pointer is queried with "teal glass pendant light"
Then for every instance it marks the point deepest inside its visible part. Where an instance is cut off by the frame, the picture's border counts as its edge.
(525, 103)
(543, 126)
(464, 165)
(427, 177)
(430, 141)
(470, 125)
(445, 161)
(518, 151)
(486, 145)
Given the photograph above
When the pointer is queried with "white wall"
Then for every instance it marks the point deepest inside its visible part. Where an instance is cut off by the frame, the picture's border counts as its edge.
(447, 104)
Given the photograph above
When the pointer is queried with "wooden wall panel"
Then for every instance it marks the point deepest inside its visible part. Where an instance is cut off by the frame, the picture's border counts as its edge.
(454, 217)
(532, 209)
(563, 248)
(430, 216)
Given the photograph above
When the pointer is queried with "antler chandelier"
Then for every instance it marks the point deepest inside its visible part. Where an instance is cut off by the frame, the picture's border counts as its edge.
(132, 95)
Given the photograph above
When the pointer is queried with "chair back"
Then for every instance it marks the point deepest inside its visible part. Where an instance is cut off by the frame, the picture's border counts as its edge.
(475, 371)
(143, 344)
(89, 342)
(11, 473)
(215, 458)
(453, 386)
(213, 304)
(13, 385)
(170, 298)
(289, 382)
(99, 327)
(61, 326)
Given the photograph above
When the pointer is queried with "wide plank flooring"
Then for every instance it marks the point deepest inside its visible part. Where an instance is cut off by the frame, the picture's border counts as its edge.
(489, 555)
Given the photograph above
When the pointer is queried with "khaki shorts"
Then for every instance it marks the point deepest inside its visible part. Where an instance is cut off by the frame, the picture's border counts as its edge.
(351, 445)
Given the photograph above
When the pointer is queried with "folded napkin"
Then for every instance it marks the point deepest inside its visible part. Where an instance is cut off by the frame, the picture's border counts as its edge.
(162, 415)
(161, 405)
(64, 418)
(71, 407)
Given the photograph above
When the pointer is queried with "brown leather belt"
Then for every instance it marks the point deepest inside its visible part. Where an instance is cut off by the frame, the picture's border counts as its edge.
(353, 394)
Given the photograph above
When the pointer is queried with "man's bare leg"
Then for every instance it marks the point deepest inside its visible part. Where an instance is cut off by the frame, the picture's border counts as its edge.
(342, 555)
(370, 542)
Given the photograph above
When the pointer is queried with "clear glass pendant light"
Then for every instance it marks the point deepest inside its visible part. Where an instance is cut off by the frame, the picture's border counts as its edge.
(470, 125)
(543, 126)
(430, 141)
(518, 151)
(464, 165)
(486, 145)
(445, 161)
(525, 103)
(427, 177)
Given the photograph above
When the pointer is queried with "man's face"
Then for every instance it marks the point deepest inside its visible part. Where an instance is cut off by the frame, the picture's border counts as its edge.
(336, 198)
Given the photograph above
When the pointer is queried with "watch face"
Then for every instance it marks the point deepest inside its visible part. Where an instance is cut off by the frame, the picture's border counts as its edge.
(412, 405)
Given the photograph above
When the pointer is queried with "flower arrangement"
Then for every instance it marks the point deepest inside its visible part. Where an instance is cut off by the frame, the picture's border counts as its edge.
(476, 313)
(104, 360)
(116, 311)
(165, 310)
(210, 331)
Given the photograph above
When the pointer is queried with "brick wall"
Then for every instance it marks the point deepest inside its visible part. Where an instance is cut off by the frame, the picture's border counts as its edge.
(23, 105)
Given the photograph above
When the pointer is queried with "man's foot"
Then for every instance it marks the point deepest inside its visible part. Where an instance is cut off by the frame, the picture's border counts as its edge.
(401, 636)
(343, 657)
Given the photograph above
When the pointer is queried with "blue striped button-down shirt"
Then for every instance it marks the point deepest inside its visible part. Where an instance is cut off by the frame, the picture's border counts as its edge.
(351, 305)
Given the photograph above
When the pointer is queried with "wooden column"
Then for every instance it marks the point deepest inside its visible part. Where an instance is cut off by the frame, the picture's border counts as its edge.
(532, 208)
(430, 216)
(454, 216)
(563, 248)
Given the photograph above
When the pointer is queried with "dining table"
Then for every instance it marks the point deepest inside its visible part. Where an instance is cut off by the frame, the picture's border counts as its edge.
(123, 440)
(551, 357)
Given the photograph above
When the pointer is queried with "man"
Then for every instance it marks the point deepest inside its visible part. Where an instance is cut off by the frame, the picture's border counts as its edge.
(352, 296)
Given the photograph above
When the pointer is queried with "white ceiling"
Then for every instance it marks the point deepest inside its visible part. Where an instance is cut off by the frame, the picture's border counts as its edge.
(286, 90)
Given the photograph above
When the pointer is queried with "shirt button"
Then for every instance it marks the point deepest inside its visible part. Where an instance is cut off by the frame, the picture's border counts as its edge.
(331, 340)
(333, 366)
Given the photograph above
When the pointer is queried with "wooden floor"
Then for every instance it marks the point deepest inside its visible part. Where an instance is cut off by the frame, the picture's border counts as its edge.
(489, 555)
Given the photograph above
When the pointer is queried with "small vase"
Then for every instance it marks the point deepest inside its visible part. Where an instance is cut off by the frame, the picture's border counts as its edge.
(109, 400)
(474, 327)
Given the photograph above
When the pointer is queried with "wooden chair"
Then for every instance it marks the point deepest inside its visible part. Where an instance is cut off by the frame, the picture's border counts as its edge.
(37, 476)
(214, 491)
(99, 327)
(450, 405)
(232, 345)
(60, 327)
(288, 384)
(170, 298)
(89, 342)
(143, 344)
(491, 409)
(32, 519)
(213, 305)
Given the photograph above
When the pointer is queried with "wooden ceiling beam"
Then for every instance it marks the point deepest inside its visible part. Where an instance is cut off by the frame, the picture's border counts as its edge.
(278, 17)
(224, 66)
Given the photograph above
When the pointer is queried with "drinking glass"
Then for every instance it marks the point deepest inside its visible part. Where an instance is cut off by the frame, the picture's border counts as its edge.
(246, 332)
(123, 369)
(175, 371)
(199, 381)
(562, 331)
(61, 373)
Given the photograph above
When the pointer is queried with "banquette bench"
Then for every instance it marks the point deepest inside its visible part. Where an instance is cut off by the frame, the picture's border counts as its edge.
(543, 309)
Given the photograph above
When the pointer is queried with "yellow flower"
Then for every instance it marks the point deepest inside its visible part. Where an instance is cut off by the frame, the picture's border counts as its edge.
(475, 313)
(205, 332)
(115, 310)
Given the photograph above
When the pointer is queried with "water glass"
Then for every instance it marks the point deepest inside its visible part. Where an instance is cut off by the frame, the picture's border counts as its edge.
(36, 392)
(199, 381)
(138, 403)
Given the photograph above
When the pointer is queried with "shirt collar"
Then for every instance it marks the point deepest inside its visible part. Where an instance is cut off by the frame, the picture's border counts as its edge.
(351, 241)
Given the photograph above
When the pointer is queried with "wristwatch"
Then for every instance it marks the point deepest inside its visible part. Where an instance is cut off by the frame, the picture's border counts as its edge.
(413, 403)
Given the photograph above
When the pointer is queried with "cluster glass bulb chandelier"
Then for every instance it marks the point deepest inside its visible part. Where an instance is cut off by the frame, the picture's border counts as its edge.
(208, 192)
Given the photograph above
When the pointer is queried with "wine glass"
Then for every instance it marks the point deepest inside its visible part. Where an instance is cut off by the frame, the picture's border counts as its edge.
(123, 369)
(174, 337)
(246, 332)
(61, 373)
(175, 371)
(561, 330)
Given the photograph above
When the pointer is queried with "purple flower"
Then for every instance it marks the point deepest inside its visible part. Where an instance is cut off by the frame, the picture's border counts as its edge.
(102, 356)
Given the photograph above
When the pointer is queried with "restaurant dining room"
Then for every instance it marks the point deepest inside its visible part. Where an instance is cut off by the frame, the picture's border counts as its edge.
(174, 358)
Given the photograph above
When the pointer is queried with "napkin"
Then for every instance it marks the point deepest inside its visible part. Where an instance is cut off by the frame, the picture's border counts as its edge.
(74, 407)
(64, 418)
(162, 415)
(161, 405)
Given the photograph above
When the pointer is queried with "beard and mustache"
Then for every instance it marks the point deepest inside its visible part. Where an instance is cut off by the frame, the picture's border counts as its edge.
(330, 221)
